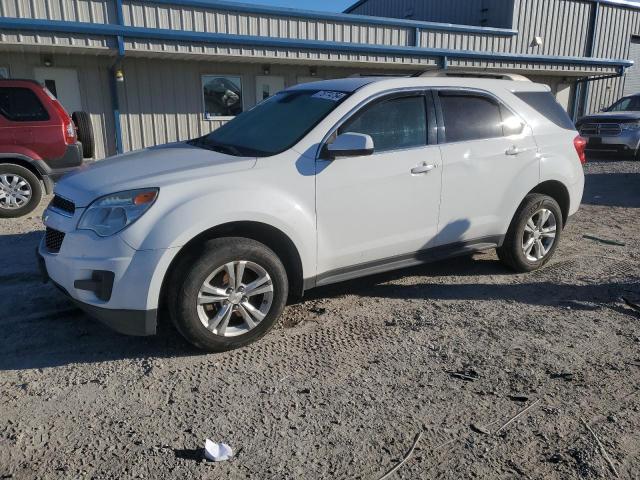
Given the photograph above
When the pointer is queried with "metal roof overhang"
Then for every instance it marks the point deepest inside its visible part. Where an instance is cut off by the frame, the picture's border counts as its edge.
(122, 31)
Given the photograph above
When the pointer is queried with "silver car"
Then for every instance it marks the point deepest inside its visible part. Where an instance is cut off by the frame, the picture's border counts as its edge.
(615, 130)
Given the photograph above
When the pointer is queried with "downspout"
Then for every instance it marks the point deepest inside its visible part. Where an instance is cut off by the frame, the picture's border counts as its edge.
(591, 47)
(113, 81)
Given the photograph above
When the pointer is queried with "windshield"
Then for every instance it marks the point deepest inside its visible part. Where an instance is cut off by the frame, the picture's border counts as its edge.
(628, 104)
(273, 126)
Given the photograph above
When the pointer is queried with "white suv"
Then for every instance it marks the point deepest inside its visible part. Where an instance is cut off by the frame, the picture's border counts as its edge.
(321, 183)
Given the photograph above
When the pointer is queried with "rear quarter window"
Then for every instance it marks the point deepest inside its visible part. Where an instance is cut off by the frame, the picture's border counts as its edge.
(546, 105)
(21, 105)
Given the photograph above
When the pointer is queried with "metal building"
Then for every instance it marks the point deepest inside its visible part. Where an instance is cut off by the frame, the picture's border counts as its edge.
(156, 71)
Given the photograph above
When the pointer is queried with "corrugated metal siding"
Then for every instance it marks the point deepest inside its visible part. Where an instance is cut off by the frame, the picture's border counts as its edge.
(616, 27)
(268, 54)
(524, 67)
(632, 80)
(93, 11)
(490, 13)
(17, 37)
(146, 14)
(562, 24)
(93, 76)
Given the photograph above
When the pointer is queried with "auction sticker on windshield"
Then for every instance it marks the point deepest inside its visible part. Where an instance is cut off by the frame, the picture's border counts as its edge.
(327, 95)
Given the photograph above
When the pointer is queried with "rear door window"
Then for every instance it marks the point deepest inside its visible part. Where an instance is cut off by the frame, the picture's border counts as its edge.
(21, 105)
(545, 104)
(394, 124)
(470, 116)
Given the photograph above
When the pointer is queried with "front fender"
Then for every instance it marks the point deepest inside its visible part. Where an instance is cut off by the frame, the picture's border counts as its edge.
(171, 224)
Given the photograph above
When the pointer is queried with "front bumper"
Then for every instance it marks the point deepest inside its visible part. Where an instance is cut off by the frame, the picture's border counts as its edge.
(104, 276)
(140, 323)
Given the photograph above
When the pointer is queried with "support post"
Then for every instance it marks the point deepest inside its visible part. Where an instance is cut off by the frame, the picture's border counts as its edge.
(113, 82)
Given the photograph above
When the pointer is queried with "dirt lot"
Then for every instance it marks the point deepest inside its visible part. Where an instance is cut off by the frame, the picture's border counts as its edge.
(354, 373)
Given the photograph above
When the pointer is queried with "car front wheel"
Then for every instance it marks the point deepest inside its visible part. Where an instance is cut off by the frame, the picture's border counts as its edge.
(229, 295)
(533, 235)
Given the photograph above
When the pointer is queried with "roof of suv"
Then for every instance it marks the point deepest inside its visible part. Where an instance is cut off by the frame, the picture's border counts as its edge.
(6, 81)
(350, 85)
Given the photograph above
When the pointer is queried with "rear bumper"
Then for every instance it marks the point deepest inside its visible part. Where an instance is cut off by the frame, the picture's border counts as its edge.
(53, 170)
(72, 158)
(128, 322)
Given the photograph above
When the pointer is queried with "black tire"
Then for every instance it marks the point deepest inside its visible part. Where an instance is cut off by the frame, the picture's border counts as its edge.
(511, 252)
(191, 273)
(82, 121)
(10, 169)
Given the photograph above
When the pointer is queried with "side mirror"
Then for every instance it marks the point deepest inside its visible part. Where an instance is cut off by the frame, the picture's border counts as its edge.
(351, 145)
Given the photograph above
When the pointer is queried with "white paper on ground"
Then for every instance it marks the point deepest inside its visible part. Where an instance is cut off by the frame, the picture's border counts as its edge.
(217, 452)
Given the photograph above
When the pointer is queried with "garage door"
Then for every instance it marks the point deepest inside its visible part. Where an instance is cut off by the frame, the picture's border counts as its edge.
(632, 78)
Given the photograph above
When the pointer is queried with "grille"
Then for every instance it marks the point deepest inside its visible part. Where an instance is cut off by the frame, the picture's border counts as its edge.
(53, 240)
(603, 129)
(63, 204)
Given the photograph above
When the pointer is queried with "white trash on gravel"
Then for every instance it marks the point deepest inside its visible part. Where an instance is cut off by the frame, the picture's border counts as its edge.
(217, 452)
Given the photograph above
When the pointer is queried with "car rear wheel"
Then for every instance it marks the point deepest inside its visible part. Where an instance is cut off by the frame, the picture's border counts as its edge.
(82, 121)
(20, 191)
(533, 235)
(228, 295)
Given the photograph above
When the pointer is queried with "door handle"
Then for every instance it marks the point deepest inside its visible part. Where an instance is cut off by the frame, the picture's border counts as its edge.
(423, 168)
(513, 150)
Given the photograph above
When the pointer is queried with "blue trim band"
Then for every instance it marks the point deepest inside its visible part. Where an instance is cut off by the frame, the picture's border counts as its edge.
(120, 19)
(253, 41)
(337, 17)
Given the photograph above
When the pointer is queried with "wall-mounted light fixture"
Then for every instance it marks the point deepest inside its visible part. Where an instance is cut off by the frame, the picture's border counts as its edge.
(119, 75)
(313, 71)
(266, 70)
(537, 42)
(47, 62)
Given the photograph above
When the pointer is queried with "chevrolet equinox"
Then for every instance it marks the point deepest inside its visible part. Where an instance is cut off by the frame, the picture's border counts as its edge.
(321, 183)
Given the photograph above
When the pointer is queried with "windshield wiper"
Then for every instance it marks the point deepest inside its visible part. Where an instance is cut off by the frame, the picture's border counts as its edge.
(204, 142)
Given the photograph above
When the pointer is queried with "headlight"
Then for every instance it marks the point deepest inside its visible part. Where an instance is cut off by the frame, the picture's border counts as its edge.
(111, 214)
(630, 126)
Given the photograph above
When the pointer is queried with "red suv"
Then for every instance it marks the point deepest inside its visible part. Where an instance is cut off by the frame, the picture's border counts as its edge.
(39, 142)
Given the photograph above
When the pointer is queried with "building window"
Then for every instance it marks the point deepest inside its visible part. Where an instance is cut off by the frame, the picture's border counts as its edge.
(222, 96)
(4, 72)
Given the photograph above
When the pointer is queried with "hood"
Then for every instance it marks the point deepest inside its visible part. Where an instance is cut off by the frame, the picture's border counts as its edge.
(610, 117)
(152, 167)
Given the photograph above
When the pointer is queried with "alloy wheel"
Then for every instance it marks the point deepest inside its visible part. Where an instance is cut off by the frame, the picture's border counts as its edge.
(235, 298)
(539, 235)
(15, 191)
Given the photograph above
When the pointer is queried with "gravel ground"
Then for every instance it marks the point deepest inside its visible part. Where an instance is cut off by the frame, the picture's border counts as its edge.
(341, 388)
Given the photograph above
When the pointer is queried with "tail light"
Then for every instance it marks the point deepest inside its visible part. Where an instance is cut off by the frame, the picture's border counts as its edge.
(581, 146)
(68, 128)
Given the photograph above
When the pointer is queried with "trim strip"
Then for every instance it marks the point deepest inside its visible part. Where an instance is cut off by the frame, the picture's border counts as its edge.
(252, 41)
(404, 261)
(338, 17)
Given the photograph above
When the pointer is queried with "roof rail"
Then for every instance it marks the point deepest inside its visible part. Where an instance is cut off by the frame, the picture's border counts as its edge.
(469, 73)
(385, 74)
